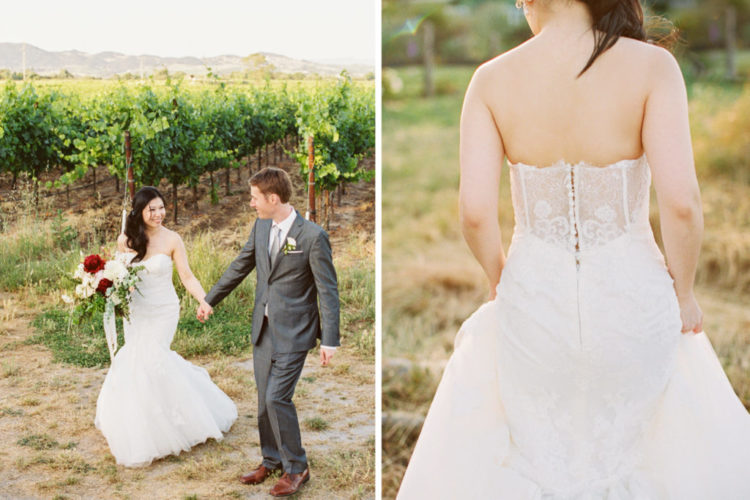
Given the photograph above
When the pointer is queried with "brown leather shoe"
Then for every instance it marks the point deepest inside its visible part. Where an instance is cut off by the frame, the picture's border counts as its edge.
(289, 484)
(257, 476)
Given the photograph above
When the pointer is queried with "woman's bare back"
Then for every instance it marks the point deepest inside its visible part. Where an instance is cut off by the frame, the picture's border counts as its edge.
(543, 113)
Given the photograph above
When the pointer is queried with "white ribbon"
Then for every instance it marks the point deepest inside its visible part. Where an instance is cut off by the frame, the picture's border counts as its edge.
(110, 329)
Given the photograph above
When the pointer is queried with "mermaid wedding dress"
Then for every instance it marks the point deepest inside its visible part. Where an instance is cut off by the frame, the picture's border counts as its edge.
(153, 402)
(576, 382)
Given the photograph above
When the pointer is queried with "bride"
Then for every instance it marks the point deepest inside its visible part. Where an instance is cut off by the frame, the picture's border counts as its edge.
(153, 403)
(587, 374)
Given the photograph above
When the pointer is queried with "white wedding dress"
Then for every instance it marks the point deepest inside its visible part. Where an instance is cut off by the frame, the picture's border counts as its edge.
(153, 402)
(575, 382)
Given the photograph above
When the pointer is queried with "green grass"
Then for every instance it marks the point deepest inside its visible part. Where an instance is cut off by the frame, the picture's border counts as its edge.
(316, 424)
(38, 442)
(32, 258)
(449, 80)
(227, 331)
(83, 344)
(10, 412)
(356, 278)
(714, 63)
(43, 254)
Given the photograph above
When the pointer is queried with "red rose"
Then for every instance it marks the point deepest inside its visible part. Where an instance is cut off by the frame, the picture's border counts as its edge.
(93, 264)
(104, 284)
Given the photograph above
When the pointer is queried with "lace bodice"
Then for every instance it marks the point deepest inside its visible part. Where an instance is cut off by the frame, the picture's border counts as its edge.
(580, 206)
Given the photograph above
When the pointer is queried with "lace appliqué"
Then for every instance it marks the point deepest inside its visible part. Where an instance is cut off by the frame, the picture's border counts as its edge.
(580, 207)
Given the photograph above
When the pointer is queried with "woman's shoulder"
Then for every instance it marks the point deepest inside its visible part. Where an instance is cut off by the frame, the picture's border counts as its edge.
(642, 59)
(643, 51)
(504, 68)
(171, 238)
(501, 63)
(656, 64)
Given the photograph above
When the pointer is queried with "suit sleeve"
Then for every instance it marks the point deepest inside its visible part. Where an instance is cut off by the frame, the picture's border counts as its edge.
(326, 283)
(240, 267)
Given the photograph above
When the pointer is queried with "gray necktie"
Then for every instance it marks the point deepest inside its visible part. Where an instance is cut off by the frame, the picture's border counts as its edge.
(275, 243)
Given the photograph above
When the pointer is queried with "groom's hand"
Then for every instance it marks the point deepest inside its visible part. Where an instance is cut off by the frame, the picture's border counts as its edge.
(326, 354)
(204, 311)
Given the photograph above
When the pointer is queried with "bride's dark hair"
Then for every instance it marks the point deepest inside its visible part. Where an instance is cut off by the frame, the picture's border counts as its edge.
(134, 226)
(616, 18)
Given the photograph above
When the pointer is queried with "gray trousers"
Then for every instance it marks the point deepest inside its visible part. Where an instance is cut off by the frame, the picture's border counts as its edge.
(276, 376)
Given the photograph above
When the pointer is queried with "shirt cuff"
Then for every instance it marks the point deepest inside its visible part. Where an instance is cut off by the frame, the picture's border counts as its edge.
(328, 347)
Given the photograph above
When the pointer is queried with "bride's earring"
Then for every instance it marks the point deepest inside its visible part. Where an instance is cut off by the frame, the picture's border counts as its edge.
(523, 4)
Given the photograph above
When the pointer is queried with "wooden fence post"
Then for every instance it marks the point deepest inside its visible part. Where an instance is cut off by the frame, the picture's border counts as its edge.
(310, 180)
(129, 165)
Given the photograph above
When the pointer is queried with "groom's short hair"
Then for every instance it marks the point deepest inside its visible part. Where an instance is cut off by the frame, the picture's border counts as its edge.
(272, 180)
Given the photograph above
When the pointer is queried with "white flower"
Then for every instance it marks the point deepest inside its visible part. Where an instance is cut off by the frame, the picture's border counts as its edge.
(114, 270)
(87, 280)
(67, 299)
(125, 257)
(291, 242)
(115, 299)
(85, 291)
(79, 273)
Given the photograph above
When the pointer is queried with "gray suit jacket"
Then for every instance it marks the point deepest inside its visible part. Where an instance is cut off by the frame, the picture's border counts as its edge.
(290, 288)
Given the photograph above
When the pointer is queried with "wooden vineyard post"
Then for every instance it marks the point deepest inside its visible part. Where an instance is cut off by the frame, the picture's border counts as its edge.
(310, 180)
(129, 165)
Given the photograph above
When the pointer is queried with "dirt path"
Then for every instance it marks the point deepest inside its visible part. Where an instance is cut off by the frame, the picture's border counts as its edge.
(51, 448)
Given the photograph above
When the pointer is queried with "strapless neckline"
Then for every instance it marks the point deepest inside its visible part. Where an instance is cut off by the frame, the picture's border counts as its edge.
(156, 255)
(566, 164)
(131, 255)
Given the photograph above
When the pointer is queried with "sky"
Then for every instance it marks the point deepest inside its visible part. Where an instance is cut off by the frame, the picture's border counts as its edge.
(317, 30)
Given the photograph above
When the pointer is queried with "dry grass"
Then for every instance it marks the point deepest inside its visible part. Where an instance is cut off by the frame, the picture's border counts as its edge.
(52, 448)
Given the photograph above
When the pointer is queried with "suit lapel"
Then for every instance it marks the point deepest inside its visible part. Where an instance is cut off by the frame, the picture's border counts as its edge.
(294, 233)
(264, 236)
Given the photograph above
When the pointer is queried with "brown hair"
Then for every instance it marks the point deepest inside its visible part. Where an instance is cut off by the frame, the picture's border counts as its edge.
(272, 180)
(616, 18)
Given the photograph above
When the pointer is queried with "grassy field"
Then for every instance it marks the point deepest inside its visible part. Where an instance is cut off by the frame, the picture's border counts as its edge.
(431, 283)
(51, 370)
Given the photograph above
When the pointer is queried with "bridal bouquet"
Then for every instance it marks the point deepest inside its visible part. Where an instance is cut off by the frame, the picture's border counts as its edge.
(104, 285)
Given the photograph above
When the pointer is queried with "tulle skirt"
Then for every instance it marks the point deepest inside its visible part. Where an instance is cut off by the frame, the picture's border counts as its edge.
(154, 403)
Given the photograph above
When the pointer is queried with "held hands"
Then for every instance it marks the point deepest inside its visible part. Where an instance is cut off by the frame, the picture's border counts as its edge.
(690, 314)
(204, 311)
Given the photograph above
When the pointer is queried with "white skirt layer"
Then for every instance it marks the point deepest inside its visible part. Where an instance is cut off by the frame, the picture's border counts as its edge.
(695, 447)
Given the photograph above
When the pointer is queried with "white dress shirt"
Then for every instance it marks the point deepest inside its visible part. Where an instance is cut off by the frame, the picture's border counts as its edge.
(285, 226)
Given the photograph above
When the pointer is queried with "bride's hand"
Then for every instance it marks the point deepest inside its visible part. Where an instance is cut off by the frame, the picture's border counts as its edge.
(204, 311)
(690, 314)
(492, 294)
(493, 291)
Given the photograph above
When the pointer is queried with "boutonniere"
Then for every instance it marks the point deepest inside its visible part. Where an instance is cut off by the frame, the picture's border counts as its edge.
(290, 245)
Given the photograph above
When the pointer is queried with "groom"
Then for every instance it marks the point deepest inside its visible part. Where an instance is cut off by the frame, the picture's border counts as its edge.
(294, 269)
